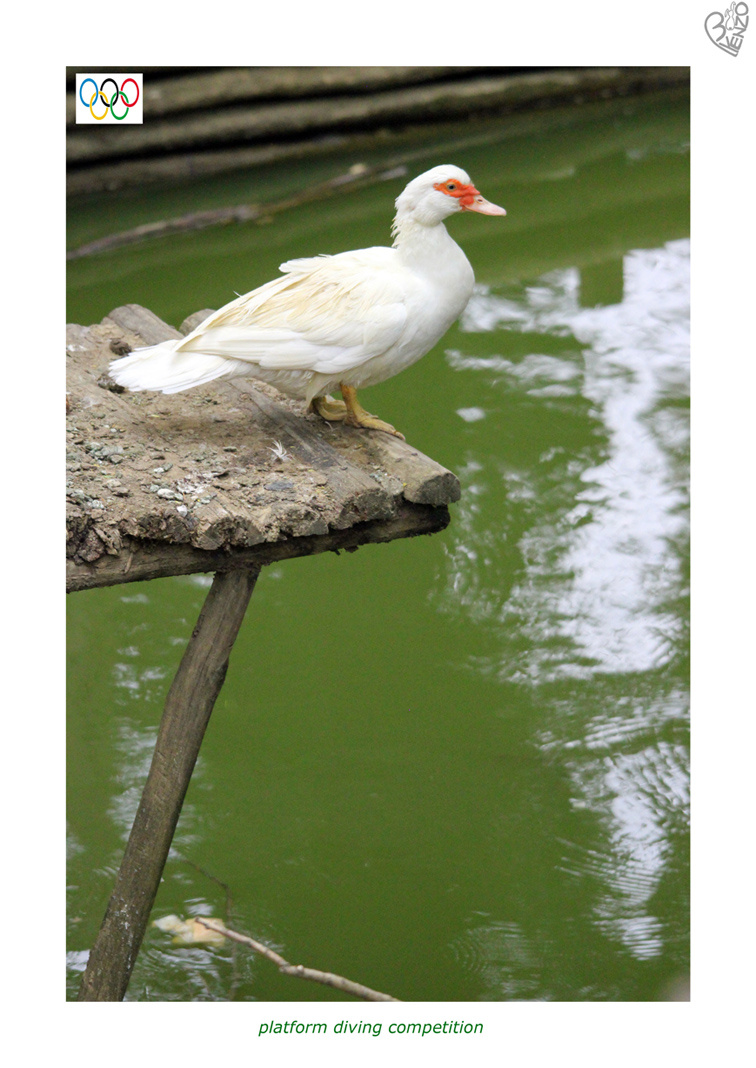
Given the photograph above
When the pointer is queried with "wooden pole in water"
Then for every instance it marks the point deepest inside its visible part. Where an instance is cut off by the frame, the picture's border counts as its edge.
(187, 711)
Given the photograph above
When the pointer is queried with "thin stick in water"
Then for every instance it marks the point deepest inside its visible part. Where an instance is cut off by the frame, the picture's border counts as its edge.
(298, 970)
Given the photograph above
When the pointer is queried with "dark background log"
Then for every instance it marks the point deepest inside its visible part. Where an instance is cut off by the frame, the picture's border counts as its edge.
(169, 90)
(206, 122)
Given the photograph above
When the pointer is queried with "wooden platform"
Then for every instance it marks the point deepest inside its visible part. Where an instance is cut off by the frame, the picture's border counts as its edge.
(171, 485)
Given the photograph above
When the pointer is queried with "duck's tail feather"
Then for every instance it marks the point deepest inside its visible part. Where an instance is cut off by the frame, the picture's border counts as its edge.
(162, 368)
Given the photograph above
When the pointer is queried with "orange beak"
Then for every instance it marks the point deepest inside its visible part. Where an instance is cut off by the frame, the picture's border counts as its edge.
(481, 205)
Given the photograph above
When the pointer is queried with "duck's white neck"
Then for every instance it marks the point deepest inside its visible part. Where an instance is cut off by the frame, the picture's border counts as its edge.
(417, 241)
(431, 254)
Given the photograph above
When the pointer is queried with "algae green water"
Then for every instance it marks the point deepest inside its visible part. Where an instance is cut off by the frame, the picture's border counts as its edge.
(451, 768)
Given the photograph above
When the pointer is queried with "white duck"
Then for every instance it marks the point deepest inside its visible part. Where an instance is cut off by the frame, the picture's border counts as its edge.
(335, 322)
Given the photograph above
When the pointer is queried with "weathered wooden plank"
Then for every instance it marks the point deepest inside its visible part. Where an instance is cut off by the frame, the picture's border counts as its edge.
(193, 321)
(134, 319)
(171, 485)
(423, 481)
(139, 559)
(364, 498)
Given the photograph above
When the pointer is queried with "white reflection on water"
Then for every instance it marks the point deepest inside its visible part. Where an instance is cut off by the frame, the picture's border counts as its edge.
(134, 746)
(597, 575)
(134, 743)
(587, 596)
(643, 800)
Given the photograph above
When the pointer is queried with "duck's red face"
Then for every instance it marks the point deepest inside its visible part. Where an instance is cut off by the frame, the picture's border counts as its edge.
(468, 196)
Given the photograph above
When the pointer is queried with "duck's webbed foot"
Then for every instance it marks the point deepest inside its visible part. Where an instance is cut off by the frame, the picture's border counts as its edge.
(334, 411)
(357, 416)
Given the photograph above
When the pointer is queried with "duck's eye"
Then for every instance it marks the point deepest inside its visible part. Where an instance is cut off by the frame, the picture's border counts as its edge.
(451, 185)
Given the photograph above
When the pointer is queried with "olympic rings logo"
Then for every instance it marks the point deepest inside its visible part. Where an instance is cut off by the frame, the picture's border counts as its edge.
(100, 97)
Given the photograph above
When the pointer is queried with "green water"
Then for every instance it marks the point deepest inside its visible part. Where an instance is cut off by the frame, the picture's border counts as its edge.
(452, 768)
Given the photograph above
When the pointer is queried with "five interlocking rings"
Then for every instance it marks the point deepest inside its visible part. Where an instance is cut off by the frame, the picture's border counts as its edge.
(103, 98)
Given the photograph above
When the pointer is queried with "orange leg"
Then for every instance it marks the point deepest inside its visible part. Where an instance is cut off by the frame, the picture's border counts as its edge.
(358, 417)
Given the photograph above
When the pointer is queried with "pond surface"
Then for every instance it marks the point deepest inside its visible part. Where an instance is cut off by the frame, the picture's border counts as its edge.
(454, 767)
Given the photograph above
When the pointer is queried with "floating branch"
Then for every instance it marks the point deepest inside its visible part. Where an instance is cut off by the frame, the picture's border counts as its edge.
(359, 175)
(298, 970)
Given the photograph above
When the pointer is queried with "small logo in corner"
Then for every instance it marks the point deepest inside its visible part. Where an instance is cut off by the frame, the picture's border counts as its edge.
(109, 98)
(726, 30)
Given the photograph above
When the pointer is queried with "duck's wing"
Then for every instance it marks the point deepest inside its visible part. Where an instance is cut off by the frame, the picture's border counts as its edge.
(328, 314)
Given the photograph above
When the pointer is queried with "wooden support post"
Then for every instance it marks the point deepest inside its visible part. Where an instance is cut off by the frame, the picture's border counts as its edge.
(187, 711)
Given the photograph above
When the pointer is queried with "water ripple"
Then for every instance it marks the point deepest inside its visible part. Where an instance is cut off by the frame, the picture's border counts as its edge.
(500, 955)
